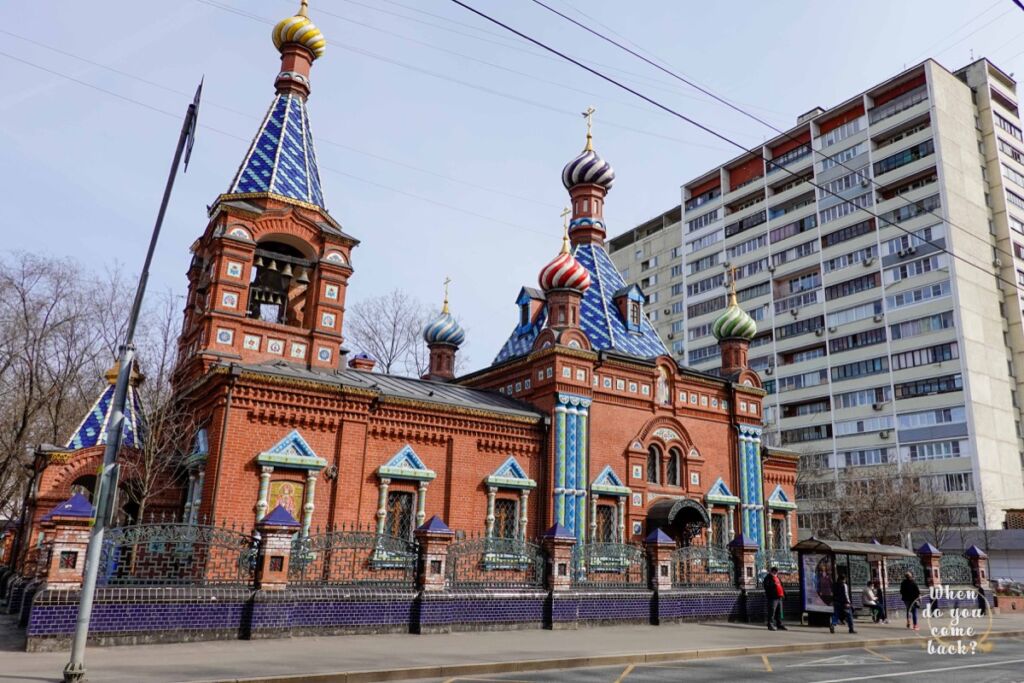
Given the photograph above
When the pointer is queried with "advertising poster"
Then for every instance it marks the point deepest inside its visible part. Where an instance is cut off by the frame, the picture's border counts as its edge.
(816, 575)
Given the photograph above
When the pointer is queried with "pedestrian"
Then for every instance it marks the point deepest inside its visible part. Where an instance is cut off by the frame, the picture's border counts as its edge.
(911, 594)
(982, 602)
(773, 593)
(870, 600)
(841, 605)
(883, 610)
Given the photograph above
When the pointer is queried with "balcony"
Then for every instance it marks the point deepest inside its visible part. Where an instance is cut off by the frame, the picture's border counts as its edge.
(788, 159)
(797, 301)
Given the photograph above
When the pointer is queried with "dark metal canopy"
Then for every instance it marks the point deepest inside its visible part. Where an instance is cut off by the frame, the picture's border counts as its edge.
(664, 512)
(817, 545)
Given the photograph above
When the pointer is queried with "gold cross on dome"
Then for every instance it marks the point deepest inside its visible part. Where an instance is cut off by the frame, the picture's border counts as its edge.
(565, 217)
(589, 116)
(447, 281)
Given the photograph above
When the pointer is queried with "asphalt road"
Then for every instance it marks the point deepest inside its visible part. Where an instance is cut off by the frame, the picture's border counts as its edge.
(1003, 664)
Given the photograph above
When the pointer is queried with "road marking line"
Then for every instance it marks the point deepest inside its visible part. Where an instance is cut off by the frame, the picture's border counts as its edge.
(923, 671)
(878, 654)
(767, 664)
(625, 673)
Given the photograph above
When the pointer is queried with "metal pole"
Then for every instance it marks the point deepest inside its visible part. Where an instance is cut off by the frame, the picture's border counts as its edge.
(74, 671)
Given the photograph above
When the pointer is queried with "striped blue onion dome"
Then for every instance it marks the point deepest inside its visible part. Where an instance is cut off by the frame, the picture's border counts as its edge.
(588, 168)
(444, 330)
(734, 323)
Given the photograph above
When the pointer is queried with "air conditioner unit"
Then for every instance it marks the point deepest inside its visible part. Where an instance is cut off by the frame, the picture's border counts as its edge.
(769, 370)
(832, 328)
(865, 182)
(869, 261)
(879, 318)
(671, 336)
(884, 434)
(820, 331)
(911, 250)
(901, 252)
(668, 311)
(878, 406)
(771, 268)
(998, 263)
(794, 312)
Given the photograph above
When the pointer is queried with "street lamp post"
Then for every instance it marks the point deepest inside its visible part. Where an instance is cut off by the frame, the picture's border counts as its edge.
(74, 671)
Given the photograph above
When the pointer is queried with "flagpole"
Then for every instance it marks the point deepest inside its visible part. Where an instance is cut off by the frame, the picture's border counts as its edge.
(74, 671)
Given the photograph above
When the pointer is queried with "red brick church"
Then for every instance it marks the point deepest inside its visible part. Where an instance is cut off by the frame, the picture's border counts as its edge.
(583, 419)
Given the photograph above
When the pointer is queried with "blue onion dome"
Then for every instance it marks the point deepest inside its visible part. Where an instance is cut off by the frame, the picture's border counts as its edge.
(588, 168)
(734, 323)
(444, 329)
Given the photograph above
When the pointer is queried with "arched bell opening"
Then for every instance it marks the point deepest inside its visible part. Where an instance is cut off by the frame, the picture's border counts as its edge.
(280, 280)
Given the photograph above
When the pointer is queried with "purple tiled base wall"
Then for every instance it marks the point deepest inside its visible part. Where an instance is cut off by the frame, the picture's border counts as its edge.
(608, 607)
(323, 611)
(683, 606)
(473, 611)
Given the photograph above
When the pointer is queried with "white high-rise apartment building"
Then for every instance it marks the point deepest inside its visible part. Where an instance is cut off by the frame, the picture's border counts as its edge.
(876, 346)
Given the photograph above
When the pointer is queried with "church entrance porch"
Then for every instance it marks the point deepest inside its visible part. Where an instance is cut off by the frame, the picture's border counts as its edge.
(682, 519)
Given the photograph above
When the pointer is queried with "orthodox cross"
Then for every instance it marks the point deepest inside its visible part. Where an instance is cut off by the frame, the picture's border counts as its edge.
(447, 281)
(589, 116)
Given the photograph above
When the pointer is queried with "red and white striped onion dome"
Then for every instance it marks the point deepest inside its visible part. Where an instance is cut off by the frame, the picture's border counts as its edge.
(564, 272)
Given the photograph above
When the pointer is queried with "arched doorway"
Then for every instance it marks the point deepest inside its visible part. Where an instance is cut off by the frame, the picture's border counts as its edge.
(681, 518)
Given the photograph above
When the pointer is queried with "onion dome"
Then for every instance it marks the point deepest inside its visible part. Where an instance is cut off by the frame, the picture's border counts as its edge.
(301, 31)
(734, 323)
(564, 272)
(588, 167)
(444, 329)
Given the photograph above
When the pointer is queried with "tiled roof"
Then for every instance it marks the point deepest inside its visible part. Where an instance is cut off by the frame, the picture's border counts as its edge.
(282, 160)
(93, 429)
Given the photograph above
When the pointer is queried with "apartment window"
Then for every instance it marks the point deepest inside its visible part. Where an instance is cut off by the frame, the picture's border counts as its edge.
(703, 198)
(858, 340)
(919, 295)
(932, 450)
(1007, 126)
(801, 381)
(804, 282)
(697, 331)
(842, 156)
(677, 307)
(931, 418)
(862, 397)
(649, 263)
(747, 223)
(901, 103)
(1015, 199)
(915, 268)
(857, 178)
(847, 260)
(753, 292)
(928, 386)
(925, 356)
(702, 221)
(677, 289)
(751, 268)
(871, 424)
(677, 347)
(704, 307)
(864, 457)
(753, 244)
(799, 327)
(801, 355)
(918, 208)
(861, 368)
(857, 284)
(705, 241)
(916, 182)
(1013, 176)
(788, 158)
(855, 313)
(790, 206)
(802, 434)
(919, 326)
(704, 353)
(704, 263)
(904, 157)
(675, 253)
(706, 285)
(794, 228)
(1003, 101)
(846, 207)
(1011, 151)
(847, 233)
(815, 461)
(914, 239)
(904, 133)
(842, 132)
(793, 253)
(676, 271)
(814, 407)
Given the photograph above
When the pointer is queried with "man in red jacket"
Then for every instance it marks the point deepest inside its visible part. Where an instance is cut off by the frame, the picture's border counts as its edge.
(773, 592)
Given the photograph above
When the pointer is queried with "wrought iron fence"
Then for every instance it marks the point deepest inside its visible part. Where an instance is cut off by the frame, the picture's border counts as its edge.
(955, 570)
(897, 567)
(482, 563)
(176, 554)
(702, 567)
(353, 556)
(609, 566)
(782, 558)
(855, 568)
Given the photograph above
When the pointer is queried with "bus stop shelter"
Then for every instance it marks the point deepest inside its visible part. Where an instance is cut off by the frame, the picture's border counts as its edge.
(822, 561)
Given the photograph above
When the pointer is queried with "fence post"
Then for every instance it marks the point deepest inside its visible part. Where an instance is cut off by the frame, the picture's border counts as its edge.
(659, 546)
(744, 556)
(68, 533)
(275, 549)
(979, 566)
(434, 539)
(930, 558)
(558, 545)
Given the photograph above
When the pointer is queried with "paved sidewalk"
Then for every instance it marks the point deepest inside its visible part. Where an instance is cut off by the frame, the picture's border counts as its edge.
(284, 659)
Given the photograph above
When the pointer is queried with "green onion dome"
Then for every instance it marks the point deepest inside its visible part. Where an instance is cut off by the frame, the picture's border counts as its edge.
(734, 323)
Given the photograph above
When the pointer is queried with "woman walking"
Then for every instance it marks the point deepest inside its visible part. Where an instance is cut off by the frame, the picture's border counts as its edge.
(911, 594)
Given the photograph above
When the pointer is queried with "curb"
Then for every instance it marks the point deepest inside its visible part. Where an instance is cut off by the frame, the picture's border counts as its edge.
(453, 670)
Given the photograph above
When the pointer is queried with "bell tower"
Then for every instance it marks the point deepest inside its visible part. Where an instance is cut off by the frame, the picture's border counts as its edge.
(269, 274)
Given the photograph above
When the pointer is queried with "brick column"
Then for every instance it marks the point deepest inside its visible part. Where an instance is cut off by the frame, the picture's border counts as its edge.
(434, 539)
(660, 547)
(276, 530)
(979, 566)
(930, 557)
(558, 544)
(744, 556)
(66, 530)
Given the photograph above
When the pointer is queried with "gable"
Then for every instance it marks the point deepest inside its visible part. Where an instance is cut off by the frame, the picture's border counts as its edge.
(780, 500)
(720, 493)
(608, 482)
(292, 452)
(405, 464)
(510, 475)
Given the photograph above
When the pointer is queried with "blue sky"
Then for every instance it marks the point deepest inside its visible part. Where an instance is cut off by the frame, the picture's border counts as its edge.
(440, 139)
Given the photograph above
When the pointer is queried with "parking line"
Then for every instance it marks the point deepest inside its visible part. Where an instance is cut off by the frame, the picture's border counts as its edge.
(625, 673)
(923, 671)
(767, 664)
(878, 654)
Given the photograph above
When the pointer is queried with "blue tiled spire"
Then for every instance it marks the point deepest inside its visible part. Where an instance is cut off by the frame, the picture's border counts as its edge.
(93, 429)
(599, 316)
(281, 159)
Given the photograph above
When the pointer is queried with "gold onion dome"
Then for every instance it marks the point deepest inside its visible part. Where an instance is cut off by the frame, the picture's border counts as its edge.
(300, 31)
(734, 323)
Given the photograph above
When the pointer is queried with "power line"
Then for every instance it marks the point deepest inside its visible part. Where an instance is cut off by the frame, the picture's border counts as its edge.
(728, 140)
(786, 134)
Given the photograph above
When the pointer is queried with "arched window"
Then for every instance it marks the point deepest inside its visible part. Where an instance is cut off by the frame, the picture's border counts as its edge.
(674, 467)
(85, 485)
(653, 464)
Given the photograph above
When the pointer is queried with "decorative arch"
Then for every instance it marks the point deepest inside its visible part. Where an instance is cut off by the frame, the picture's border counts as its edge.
(680, 518)
(666, 429)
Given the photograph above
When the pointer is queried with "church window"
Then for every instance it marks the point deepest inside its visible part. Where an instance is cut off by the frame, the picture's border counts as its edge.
(719, 531)
(653, 464)
(674, 460)
(524, 315)
(519, 387)
(778, 533)
(505, 516)
(586, 205)
(606, 525)
(634, 313)
(527, 384)
(399, 514)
